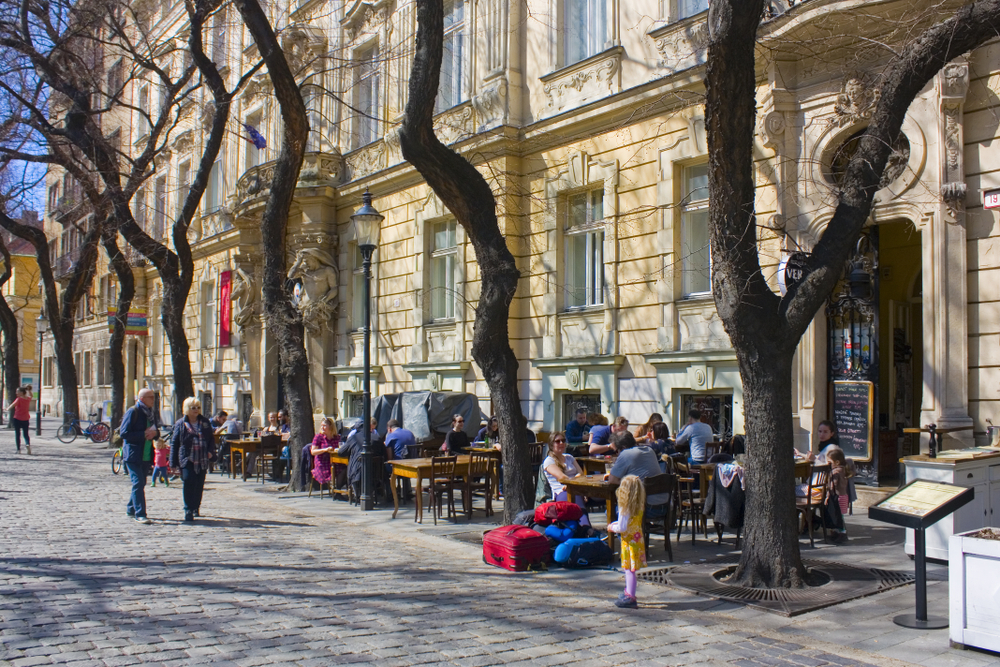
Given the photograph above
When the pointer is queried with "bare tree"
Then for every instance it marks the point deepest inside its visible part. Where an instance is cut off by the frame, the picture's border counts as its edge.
(765, 328)
(469, 198)
(281, 317)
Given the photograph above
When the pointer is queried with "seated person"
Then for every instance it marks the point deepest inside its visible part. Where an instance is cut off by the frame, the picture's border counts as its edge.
(219, 421)
(645, 431)
(639, 460)
(284, 427)
(398, 441)
(352, 450)
(659, 440)
(273, 426)
(695, 435)
(600, 436)
(456, 441)
(491, 432)
(578, 430)
(559, 467)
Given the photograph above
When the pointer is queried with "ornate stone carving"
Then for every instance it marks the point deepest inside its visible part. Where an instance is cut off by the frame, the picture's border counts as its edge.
(365, 21)
(184, 142)
(441, 344)
(316, 298)
(953, 195)
(367, 160)
(586, 81)
(491, 104)
(454, 125)
(955, 80)
(259, 87)
(856, 101)
(256, 182)
(772, 129)
(393, 151)
(247, 313)
(681, 46)
(952, 138)
(701, 328)
(303, 46)
(324, 168)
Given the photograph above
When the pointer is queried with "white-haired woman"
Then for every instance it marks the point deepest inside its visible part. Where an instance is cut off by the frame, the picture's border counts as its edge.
(192, 449)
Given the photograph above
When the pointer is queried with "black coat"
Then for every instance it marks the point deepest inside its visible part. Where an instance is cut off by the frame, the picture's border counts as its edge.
(181, 441)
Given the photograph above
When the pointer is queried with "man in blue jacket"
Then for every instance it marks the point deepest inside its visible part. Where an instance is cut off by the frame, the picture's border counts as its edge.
(138, 430)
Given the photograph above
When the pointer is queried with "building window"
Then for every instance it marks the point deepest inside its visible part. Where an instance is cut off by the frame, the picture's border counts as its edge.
(586, 29)
(451, 90)
(104, 367)
(208, 322)
(686, 8)
(213, 191)
(444, 257)
(53, 197)
(183, 186)
(358, 287)
(585, 249)
(48, 371)
(160, 215)
(253, 154)
(87, 376)
(139, 208)
(696, 254)
(367, 69)
(143, 125)
(219, 54)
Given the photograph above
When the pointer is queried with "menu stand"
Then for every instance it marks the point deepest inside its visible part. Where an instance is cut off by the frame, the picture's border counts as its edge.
(919, 505)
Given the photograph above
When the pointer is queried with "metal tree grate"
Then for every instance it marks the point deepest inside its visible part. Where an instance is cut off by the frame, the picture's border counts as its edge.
(844, 583)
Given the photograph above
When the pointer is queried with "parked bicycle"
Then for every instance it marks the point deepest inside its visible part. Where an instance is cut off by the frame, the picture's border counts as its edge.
(95, 430)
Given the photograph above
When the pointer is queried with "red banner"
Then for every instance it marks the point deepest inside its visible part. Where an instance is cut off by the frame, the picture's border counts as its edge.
(225, 308)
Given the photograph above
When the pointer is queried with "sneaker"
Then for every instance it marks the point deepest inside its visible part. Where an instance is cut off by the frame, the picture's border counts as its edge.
(626, 601)
(29, 450)
(143, 520)
(197, 513)
(189, 518)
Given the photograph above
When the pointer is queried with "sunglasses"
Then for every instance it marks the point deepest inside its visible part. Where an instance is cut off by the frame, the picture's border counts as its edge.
(556, 442)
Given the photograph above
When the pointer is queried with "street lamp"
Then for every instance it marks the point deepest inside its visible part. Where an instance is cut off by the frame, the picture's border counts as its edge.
(41, 324)
(367, 222)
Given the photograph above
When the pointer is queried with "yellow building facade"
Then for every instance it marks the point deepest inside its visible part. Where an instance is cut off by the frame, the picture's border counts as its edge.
(586, 119)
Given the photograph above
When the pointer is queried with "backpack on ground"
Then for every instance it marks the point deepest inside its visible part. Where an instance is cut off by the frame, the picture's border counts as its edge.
(583, 553)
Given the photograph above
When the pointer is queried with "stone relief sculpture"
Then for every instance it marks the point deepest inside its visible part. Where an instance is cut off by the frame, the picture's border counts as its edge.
(317, 298)
(245, 296)
(856, 102)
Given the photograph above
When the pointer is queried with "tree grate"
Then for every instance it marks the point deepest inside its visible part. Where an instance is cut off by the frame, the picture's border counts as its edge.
(842, 583)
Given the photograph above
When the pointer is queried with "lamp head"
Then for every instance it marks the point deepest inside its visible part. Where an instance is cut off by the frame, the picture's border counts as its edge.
(367, 224)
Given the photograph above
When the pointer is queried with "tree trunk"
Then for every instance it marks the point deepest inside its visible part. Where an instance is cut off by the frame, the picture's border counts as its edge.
(465, 193)
(8, 325)
(280, 316)
(126, 291)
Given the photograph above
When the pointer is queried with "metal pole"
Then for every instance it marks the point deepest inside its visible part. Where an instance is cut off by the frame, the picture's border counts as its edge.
(38, 405)
(920, 572)
(367, 472)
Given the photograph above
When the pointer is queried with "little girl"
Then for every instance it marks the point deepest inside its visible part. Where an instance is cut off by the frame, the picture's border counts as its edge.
(161, 465)
(838, 491)
(631, 505)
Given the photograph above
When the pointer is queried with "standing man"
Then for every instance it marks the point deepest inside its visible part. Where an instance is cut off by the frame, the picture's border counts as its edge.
(138, 430)
(398, 442)
(695, 434)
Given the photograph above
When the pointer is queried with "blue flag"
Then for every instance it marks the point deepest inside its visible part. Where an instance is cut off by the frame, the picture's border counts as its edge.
(255, 136)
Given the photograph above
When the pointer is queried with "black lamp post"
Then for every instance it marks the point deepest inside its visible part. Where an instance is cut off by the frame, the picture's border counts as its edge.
(367, 223)
(41, 324)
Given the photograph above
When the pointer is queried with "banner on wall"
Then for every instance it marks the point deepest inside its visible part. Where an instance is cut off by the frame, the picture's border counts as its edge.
(135, 325)
(225, 308)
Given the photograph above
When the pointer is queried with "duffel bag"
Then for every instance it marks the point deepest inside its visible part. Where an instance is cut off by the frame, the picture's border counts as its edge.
(583, 552)
(515, 548)
(561, 510)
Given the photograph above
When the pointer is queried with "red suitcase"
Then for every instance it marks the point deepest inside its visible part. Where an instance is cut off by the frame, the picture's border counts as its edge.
(515, 548)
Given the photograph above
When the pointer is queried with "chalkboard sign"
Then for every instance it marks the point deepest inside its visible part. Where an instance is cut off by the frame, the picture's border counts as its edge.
(853, 414)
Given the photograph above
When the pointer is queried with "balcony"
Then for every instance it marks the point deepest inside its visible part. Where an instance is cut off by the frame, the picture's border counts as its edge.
(134, 258)
(62, 268)
(69, 209)
(318, 169)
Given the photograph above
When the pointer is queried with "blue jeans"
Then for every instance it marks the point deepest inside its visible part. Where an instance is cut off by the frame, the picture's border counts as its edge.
(137, 501)
(160, 474)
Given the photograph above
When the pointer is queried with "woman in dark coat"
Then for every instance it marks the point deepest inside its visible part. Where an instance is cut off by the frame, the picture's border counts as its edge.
(192, 449)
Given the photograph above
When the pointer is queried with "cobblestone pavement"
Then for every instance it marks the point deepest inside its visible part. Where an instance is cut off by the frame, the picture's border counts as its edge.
(265, 578)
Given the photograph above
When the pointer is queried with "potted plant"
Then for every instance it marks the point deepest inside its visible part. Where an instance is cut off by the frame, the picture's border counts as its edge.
(974, 588)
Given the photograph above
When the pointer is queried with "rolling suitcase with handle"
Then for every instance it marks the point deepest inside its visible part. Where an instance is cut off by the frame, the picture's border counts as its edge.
(515, 548)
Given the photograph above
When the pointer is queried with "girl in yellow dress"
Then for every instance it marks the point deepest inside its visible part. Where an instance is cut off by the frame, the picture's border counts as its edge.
(631, 505)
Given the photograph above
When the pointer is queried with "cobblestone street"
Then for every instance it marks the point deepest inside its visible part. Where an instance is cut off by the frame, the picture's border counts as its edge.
(265, 578)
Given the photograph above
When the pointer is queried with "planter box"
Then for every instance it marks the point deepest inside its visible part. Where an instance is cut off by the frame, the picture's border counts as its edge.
(974, 591)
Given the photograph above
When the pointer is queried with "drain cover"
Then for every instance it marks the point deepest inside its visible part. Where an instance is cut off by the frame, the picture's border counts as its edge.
(843, 583)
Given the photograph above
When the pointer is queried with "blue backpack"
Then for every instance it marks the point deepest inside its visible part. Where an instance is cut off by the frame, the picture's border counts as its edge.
(583, 552)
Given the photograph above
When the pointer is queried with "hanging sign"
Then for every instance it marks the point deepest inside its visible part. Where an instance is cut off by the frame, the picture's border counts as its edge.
(135, 325)
(225, 308)
(791, 271)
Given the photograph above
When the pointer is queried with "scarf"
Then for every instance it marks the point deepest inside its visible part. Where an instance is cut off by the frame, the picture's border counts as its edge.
(198, 455)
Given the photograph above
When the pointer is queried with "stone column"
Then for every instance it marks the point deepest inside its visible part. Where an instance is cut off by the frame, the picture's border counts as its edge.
(945, 260)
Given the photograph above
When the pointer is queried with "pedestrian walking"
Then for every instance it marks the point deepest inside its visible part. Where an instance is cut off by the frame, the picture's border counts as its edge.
(138, 430)
(161, 470)
(631, 496)
(21, 419)
(192, 449)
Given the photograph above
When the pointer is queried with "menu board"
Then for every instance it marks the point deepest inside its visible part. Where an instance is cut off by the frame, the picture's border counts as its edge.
(852, 411)
(920, 497)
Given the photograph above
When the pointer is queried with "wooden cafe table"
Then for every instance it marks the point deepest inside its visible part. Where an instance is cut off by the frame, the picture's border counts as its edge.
(419, 469)
(594, 464)
(244, 446)
(595, 486)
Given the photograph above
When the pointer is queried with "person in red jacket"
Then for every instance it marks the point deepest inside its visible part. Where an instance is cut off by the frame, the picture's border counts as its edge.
(21, 418)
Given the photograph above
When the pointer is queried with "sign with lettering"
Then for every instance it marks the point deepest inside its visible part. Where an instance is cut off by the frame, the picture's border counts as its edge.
(135, 323)
(791, 270)
(921, 503)
(853, 413)
(991, 199)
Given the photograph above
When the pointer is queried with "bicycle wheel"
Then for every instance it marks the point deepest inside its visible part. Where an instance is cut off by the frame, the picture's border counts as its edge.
(116, 461)
(66, 433)
(100, 432)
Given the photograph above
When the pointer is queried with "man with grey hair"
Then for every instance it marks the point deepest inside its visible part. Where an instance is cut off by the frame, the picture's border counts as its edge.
(138, 430)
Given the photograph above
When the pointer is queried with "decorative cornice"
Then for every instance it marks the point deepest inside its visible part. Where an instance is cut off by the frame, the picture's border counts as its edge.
(586, 80)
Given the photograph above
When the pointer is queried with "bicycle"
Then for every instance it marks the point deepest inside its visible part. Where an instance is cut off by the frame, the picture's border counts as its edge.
(116, 461)
(95, 430)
